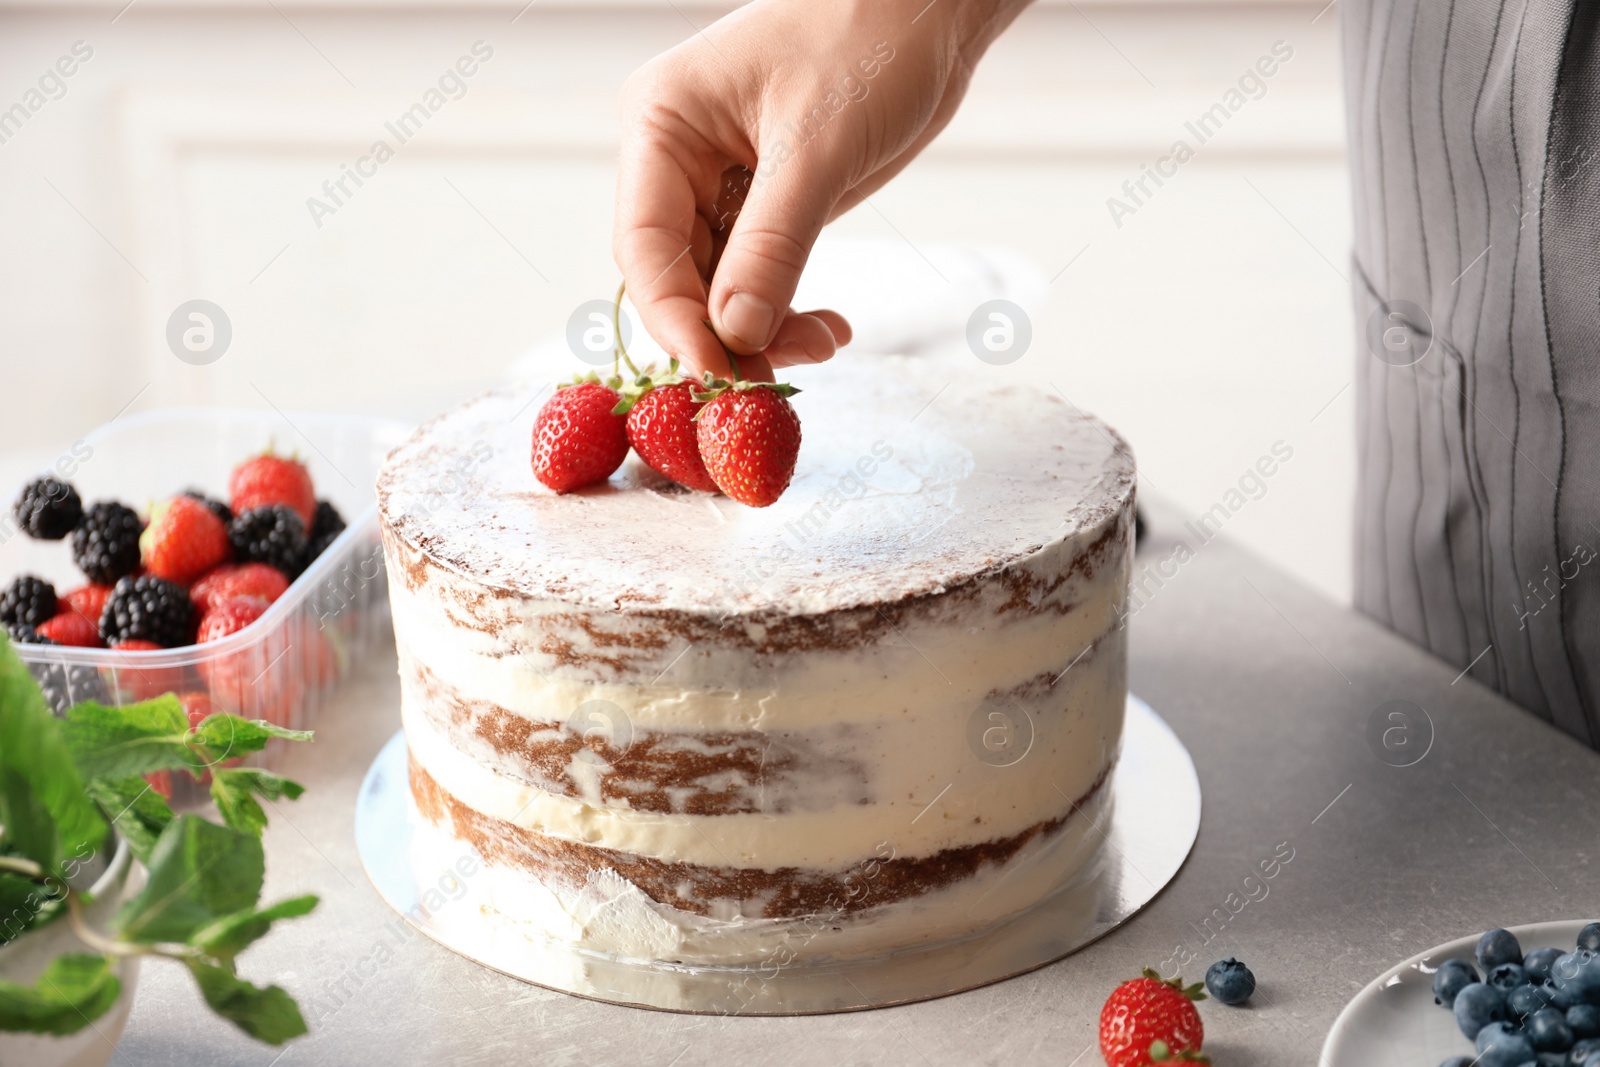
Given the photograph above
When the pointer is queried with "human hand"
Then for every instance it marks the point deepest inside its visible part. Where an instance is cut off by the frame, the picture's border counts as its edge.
(740, 144)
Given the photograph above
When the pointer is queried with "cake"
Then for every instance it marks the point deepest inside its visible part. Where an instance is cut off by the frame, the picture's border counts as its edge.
(878, 715)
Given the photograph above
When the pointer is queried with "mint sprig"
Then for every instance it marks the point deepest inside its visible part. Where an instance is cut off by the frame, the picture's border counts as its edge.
(64, 784)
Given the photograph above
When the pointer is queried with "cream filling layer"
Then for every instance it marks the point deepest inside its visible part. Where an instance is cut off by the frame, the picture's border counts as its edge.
(1049, 737)
(934, 668)
(960, 802)
(508, 917)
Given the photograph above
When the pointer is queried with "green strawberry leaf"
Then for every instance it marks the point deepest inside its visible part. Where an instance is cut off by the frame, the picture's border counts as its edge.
(233, 791)
(44, 812)
(198, 873)
(137, 811)
(268, 1014)
(232, 934)
(134, 739)
(72, 992)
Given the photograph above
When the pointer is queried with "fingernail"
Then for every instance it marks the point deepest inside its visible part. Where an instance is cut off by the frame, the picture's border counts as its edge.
(748, 318)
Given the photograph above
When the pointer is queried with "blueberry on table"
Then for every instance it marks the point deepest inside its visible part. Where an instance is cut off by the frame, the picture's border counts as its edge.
(1589, 937)
(1477, 1006)
(1497, 947)
(1548, 1031)
(1538, 963)
(1230, 981)
(1584, 1020)
(1451, 978)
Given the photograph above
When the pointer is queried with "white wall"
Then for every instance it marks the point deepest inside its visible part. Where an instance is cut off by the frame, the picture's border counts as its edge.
(1208, 325)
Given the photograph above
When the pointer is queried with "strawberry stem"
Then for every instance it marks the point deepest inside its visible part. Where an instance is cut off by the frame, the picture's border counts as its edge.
(619, 350)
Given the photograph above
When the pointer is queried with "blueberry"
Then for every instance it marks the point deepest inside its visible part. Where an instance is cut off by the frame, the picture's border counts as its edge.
(1477, 1006)
(1451, 978)
(1230, 981)
(1524, 1000)
(1497, 947)
(1507, 976)
(1589, 937)
(1501, 1046)
(1584, 1051)
(1538, 962)
(1578, 975)
(1584, 1020)
(1549, 1032)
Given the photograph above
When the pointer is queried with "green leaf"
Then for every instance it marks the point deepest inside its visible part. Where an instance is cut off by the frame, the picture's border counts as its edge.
(232, 789)
(199, 872)
(268, 1014)
(134, 807)
(134, 739)
(228, 736)
(24, 905)
(71, 993)
(44, 812)
(232, 934)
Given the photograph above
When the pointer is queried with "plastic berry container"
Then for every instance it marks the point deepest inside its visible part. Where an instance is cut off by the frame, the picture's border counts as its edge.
(286, 665)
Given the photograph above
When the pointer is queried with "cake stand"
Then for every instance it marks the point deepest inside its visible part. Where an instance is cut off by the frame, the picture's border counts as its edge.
(1155, 816)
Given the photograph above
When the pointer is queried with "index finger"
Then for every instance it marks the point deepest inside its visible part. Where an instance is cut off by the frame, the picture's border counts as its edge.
(653, 246)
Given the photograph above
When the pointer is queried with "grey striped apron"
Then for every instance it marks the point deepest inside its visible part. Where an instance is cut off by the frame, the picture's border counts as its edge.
(1475, 155)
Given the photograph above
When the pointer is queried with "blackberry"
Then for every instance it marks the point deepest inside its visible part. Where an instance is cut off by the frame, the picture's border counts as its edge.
(327, 525)
(148, 609)
(273, 535)
(105, 546)
(48, 508)
(28, 601)
(63, 686)
(217, 507)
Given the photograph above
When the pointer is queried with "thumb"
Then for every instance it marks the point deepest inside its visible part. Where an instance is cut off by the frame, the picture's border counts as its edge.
(759, 269)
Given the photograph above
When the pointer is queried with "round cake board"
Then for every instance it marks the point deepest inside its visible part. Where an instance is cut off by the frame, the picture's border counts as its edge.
(1155, 817)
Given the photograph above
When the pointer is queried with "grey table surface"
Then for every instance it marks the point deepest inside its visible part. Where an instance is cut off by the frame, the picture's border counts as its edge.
(1271, 687)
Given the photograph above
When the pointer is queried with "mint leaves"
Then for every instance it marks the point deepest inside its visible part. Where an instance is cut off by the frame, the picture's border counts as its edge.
(199, 872)
(71, 991)
(64, 784)
(45, 814)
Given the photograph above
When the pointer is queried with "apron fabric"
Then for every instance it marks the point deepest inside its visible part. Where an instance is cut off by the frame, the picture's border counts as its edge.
(1475, 167)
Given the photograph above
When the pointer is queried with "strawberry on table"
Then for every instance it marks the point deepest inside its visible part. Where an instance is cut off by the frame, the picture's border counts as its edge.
(268, 479)
(237, 579)
(577, 437)
(749, 437)
(1148, 1021)
(661, 429)
(183, 541)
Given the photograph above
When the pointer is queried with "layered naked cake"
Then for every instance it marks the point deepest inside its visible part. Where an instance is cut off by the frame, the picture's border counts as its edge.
(880, 713)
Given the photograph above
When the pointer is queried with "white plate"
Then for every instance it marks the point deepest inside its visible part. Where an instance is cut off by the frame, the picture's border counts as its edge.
(1394, 1021)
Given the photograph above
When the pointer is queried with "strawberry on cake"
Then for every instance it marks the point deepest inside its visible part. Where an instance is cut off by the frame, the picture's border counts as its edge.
(879, 713)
